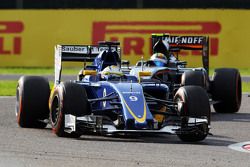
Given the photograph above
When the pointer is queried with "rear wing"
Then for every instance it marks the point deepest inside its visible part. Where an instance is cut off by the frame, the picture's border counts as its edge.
(77, 53)
(177, 43)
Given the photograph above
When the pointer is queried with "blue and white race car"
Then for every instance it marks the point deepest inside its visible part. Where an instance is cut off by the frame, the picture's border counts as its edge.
(105, 100)
(223, 88)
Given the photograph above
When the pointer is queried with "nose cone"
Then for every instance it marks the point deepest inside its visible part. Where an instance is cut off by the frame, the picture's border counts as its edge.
(135, 111)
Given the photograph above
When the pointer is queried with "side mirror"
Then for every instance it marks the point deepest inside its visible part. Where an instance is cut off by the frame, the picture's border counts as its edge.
(89, 72)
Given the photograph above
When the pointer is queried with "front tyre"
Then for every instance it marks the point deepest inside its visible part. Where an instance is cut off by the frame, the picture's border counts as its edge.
(67, 98)
(193, 102)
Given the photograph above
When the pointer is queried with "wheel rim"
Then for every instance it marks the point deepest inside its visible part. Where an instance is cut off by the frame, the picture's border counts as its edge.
(55, 111)
(179, 104)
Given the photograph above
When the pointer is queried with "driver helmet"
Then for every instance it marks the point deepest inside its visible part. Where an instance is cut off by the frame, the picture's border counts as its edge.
(110, 71)
(159, 59)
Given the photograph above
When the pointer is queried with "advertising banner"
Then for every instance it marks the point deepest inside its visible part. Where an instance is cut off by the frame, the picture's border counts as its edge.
(28, 37)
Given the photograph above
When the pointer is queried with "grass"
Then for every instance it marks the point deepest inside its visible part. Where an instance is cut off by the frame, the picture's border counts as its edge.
(73, 71)
(246, 87)
(37, 70)
(243, 71)
(8, 88)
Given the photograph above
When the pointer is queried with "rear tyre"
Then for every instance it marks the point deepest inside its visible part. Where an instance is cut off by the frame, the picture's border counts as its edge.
(32, 96)
(67, 98)
(226, 89)
(196, 78)
(195, 103)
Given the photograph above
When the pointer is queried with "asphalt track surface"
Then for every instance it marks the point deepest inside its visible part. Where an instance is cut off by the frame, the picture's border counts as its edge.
(39, 147)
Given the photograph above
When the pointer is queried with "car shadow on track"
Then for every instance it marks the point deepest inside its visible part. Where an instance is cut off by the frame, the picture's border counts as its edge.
(235, 117)
(211, 140)
(159, 139)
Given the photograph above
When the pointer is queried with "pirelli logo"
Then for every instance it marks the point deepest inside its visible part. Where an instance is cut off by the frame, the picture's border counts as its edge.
(10, 37)
(135, 36)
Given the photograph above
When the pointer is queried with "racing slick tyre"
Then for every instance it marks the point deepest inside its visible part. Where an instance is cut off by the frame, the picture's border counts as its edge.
(226, 89)
(32, 96)
(67, 98)
(196, 78)
(194, 103)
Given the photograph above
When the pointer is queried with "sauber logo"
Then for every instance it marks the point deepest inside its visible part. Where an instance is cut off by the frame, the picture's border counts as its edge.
(135, 36)
(10, 39)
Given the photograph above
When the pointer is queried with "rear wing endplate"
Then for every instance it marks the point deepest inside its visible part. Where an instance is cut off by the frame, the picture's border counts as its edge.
(77, 53)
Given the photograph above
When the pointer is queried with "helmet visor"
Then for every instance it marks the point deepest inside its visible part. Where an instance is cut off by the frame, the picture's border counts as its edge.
(159, 64)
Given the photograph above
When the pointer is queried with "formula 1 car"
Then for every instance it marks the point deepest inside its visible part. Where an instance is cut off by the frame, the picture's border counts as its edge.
(104, 100)
(224, 89)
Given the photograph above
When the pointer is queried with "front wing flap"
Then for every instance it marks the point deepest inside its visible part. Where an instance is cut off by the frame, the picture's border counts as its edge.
(100, 124)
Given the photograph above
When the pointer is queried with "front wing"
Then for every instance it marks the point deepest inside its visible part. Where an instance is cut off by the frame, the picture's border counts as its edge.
(90, 123)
